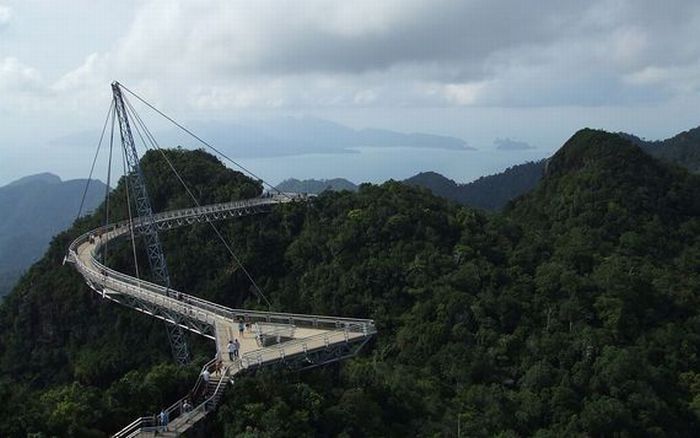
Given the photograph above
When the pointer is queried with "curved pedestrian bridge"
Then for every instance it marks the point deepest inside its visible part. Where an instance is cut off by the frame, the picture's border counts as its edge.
(284, 339)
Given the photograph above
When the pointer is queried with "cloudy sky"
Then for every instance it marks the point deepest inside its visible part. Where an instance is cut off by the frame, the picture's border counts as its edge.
(481, 70)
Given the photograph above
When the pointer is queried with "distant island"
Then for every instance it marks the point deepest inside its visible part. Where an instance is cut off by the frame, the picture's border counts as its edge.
(285, 136)
(316, 186)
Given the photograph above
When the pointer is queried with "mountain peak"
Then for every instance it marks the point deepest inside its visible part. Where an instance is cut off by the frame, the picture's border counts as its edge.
(589, 146)
(44, 177)
(682, 149)
(602, 180)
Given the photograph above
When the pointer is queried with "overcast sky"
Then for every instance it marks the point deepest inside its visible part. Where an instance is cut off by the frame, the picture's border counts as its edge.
(481, 70)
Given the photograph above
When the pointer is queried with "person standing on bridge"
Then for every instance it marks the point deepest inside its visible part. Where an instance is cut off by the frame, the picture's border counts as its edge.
(163, 417)
(236, 348)
(231, 348)
(241, 327)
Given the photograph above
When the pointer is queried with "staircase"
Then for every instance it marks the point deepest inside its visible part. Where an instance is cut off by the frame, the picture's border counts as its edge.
(202, 399)
(211, 394)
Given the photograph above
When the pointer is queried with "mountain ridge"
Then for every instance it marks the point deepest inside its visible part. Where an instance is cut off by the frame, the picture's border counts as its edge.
(494, 192)
(316, 186)
(35, 208)
(491, 192)
(43, 177)
(682, 148)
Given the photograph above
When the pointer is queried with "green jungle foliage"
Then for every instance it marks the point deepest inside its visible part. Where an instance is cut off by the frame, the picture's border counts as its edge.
(490, 193)
(683, 149)
(573, 313)
(493, 192)
(316, 186)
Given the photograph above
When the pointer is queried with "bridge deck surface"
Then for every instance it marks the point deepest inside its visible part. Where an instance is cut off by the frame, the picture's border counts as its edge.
(226, 328)
(298, 335)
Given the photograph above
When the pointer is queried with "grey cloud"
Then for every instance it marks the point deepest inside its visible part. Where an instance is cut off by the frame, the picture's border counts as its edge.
(557, 53)
(5, 17)
(446, 33)
(393, 53)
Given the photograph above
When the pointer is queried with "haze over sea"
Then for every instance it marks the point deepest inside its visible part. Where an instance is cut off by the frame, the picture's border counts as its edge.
(294, 147)
(362, 164)
(373, 164)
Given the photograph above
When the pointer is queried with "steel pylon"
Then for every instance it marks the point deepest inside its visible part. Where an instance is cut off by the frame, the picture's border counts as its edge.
(147, 226)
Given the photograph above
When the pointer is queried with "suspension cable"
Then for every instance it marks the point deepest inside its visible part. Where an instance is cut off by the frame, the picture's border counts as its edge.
(196, 137)
(109, 181)
(94, 160)
(131, 220)
(155, 146)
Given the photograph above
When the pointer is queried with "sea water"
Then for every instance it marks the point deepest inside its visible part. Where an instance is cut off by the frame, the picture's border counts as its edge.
(378, 164)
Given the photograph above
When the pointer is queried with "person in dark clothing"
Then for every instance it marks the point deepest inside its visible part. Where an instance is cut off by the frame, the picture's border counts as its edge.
(231, 348)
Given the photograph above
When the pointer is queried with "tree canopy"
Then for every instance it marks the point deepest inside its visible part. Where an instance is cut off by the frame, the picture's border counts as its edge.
(573, 312)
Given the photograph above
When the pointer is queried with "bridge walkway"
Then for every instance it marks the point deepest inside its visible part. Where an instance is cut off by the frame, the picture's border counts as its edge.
(269, 337)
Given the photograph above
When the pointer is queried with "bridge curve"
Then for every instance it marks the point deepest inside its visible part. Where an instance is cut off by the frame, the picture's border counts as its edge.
(295, 340)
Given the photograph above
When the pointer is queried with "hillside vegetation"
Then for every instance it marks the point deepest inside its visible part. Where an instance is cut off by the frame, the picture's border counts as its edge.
(494, 192)
(572, 313)
(682, 149)
(315, 186)
(490, 193)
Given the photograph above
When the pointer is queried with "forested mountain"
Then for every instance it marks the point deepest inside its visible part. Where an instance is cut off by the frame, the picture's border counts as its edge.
(34, 209)
(315, 186)
(682, 149)
(493, 192)
(490, 192)
(575, 312)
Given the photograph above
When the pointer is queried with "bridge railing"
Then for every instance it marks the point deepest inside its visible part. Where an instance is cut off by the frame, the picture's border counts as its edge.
(205, 210)
(189, 305)
(152, 424)
(304, 345)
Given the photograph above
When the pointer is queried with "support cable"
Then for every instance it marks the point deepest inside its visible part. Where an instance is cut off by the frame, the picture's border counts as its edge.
(196, 137)
(94, 160)
(109, 181)
(146, 224)
(139, 125)
(131, 220)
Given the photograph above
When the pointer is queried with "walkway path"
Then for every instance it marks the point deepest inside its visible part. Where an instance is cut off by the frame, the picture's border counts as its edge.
(270, 338)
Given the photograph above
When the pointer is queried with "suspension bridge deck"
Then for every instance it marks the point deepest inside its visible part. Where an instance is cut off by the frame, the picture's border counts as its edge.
(268, 337)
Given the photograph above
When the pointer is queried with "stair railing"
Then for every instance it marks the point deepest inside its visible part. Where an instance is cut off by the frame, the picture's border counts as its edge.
(150, 423)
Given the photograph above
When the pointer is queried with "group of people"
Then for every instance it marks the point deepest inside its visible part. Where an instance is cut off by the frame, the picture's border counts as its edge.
(164, 416)
(233, 348)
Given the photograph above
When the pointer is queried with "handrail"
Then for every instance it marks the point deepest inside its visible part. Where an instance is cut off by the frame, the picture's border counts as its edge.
(143, 424)
(106, 280)
(250, 359)
(282, 351)
(110, 278)
(204, 404)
